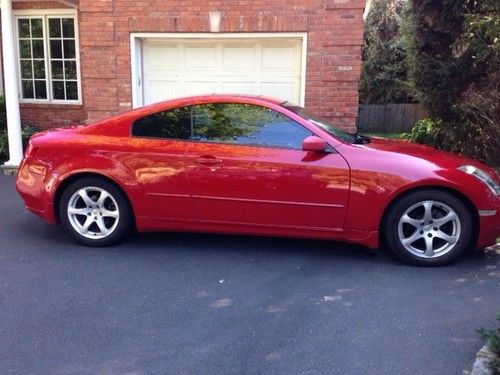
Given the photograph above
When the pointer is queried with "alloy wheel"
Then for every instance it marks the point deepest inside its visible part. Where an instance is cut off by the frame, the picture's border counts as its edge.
(429, 229)
(93, 212)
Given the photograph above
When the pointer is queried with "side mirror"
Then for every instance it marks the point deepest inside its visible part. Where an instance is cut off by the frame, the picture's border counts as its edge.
(314, 144)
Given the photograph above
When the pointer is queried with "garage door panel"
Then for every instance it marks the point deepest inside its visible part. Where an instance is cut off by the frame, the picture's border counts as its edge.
(197, 57)
(239, 87)
(198, 87)
(278, 58)
(178, 67)
(238, 58)
(162, 57)
(158, 90)
(280, 90)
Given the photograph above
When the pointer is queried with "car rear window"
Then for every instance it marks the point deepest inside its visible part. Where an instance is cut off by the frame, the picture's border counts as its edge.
(170, 124)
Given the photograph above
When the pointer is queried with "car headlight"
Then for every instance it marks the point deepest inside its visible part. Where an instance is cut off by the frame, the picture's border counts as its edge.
(481, 176)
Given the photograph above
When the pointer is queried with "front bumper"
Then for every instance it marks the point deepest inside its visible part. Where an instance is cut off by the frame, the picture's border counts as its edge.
(489, 228)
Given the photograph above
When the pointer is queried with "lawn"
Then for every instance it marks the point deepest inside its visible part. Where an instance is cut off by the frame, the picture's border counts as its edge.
(385, 135)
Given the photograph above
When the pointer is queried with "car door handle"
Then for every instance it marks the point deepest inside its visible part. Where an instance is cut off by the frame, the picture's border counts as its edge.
(208, 160)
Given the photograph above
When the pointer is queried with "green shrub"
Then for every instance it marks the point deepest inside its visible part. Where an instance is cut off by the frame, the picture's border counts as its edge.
(477, 138)
(4, 146)
(426, 131)
(3, 115)
(26, 132)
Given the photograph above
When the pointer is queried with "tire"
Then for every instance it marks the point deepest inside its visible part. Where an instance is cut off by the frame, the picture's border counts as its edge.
(95, 212)
(428, 228)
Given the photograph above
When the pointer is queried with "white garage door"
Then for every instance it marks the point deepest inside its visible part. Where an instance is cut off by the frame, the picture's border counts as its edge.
(174, 68)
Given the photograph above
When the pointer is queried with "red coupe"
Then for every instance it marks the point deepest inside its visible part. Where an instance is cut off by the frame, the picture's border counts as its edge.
(255, 165)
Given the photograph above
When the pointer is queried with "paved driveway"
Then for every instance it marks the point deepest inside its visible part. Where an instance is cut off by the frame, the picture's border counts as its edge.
(191, 303)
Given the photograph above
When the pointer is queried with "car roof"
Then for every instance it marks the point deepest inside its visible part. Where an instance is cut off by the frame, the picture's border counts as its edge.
(215, 96)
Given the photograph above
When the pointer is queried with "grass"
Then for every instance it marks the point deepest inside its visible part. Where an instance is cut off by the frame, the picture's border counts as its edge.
(385, 135)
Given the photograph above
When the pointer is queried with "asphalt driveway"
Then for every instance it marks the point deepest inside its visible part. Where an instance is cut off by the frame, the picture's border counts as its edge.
(191, 303)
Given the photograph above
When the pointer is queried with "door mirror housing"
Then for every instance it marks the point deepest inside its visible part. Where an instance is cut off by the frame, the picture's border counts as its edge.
(314, 144)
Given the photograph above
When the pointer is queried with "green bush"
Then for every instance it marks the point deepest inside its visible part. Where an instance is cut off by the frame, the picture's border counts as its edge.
(26, 131)
(426, 131)
(475, 138)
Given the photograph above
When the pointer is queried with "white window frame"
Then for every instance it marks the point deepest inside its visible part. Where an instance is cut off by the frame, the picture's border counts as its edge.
(136, 40)
(46, 14)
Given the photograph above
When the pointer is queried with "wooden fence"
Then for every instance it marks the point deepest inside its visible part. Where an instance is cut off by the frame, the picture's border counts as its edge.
(389, 118)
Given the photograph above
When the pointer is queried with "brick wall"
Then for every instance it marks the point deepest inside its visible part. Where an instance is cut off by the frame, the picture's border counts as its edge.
(334, 29)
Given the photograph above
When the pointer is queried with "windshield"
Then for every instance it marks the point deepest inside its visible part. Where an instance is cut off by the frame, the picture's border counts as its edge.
(321, 123)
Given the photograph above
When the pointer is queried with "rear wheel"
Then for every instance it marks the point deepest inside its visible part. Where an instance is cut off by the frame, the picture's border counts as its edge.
(430, 227)
(95, 212)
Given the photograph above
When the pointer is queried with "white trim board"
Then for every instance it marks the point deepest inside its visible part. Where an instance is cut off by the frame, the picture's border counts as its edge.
(136, 40)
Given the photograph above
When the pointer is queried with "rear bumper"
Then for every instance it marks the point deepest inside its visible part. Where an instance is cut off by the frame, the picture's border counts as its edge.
(35, 191)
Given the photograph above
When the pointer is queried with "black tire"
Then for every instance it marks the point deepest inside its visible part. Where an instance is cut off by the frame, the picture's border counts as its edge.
(113, 214)
(428, 234)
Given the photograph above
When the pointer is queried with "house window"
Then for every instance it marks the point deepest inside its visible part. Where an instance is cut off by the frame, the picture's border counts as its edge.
(48, 59)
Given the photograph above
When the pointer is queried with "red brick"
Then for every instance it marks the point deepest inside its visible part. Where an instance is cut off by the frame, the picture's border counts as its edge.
(334, 36)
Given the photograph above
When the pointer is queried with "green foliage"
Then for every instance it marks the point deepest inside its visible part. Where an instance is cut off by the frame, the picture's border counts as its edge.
(492, 338)
(383, 71)
(26, 131)
(4, 146)
(426, 131)
(437, 77)
(478, 140)
(479, 43)
(3, 115)
(453, 57)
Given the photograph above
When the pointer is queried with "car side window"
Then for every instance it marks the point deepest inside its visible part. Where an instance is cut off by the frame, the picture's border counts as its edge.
(246, 124)
(171, 124)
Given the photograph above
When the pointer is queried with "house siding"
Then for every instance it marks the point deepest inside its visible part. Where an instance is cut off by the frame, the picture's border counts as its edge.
(334, 36)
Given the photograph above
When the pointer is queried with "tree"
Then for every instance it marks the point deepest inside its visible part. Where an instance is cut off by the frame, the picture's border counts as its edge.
(454, 60)
(438, 78)
(384, 72)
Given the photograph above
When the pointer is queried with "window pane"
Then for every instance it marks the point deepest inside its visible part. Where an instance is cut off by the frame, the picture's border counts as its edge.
(36, 28)
(58, 90)
(26, 71)
(54, 28)
(71, 91)
(38, 49)
(40, 90)
(57, 69)
(55, 49)
(25, 49)
(248, 125)
(24, 28)
(39, 68)
(27, 87)
(173, 124)
(69, 49)
(68, 25)
(70, 69)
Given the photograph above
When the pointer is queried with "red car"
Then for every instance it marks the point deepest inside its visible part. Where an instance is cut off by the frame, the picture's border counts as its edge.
(256, 165)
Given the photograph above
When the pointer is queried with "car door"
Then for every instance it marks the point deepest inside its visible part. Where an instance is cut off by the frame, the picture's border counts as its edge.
(158, 144)
(246, 166)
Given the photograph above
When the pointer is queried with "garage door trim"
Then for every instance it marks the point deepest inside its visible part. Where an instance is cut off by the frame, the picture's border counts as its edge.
(136, 40)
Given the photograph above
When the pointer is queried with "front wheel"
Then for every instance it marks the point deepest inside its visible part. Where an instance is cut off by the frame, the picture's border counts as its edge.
(428, 227)
(95, 212)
